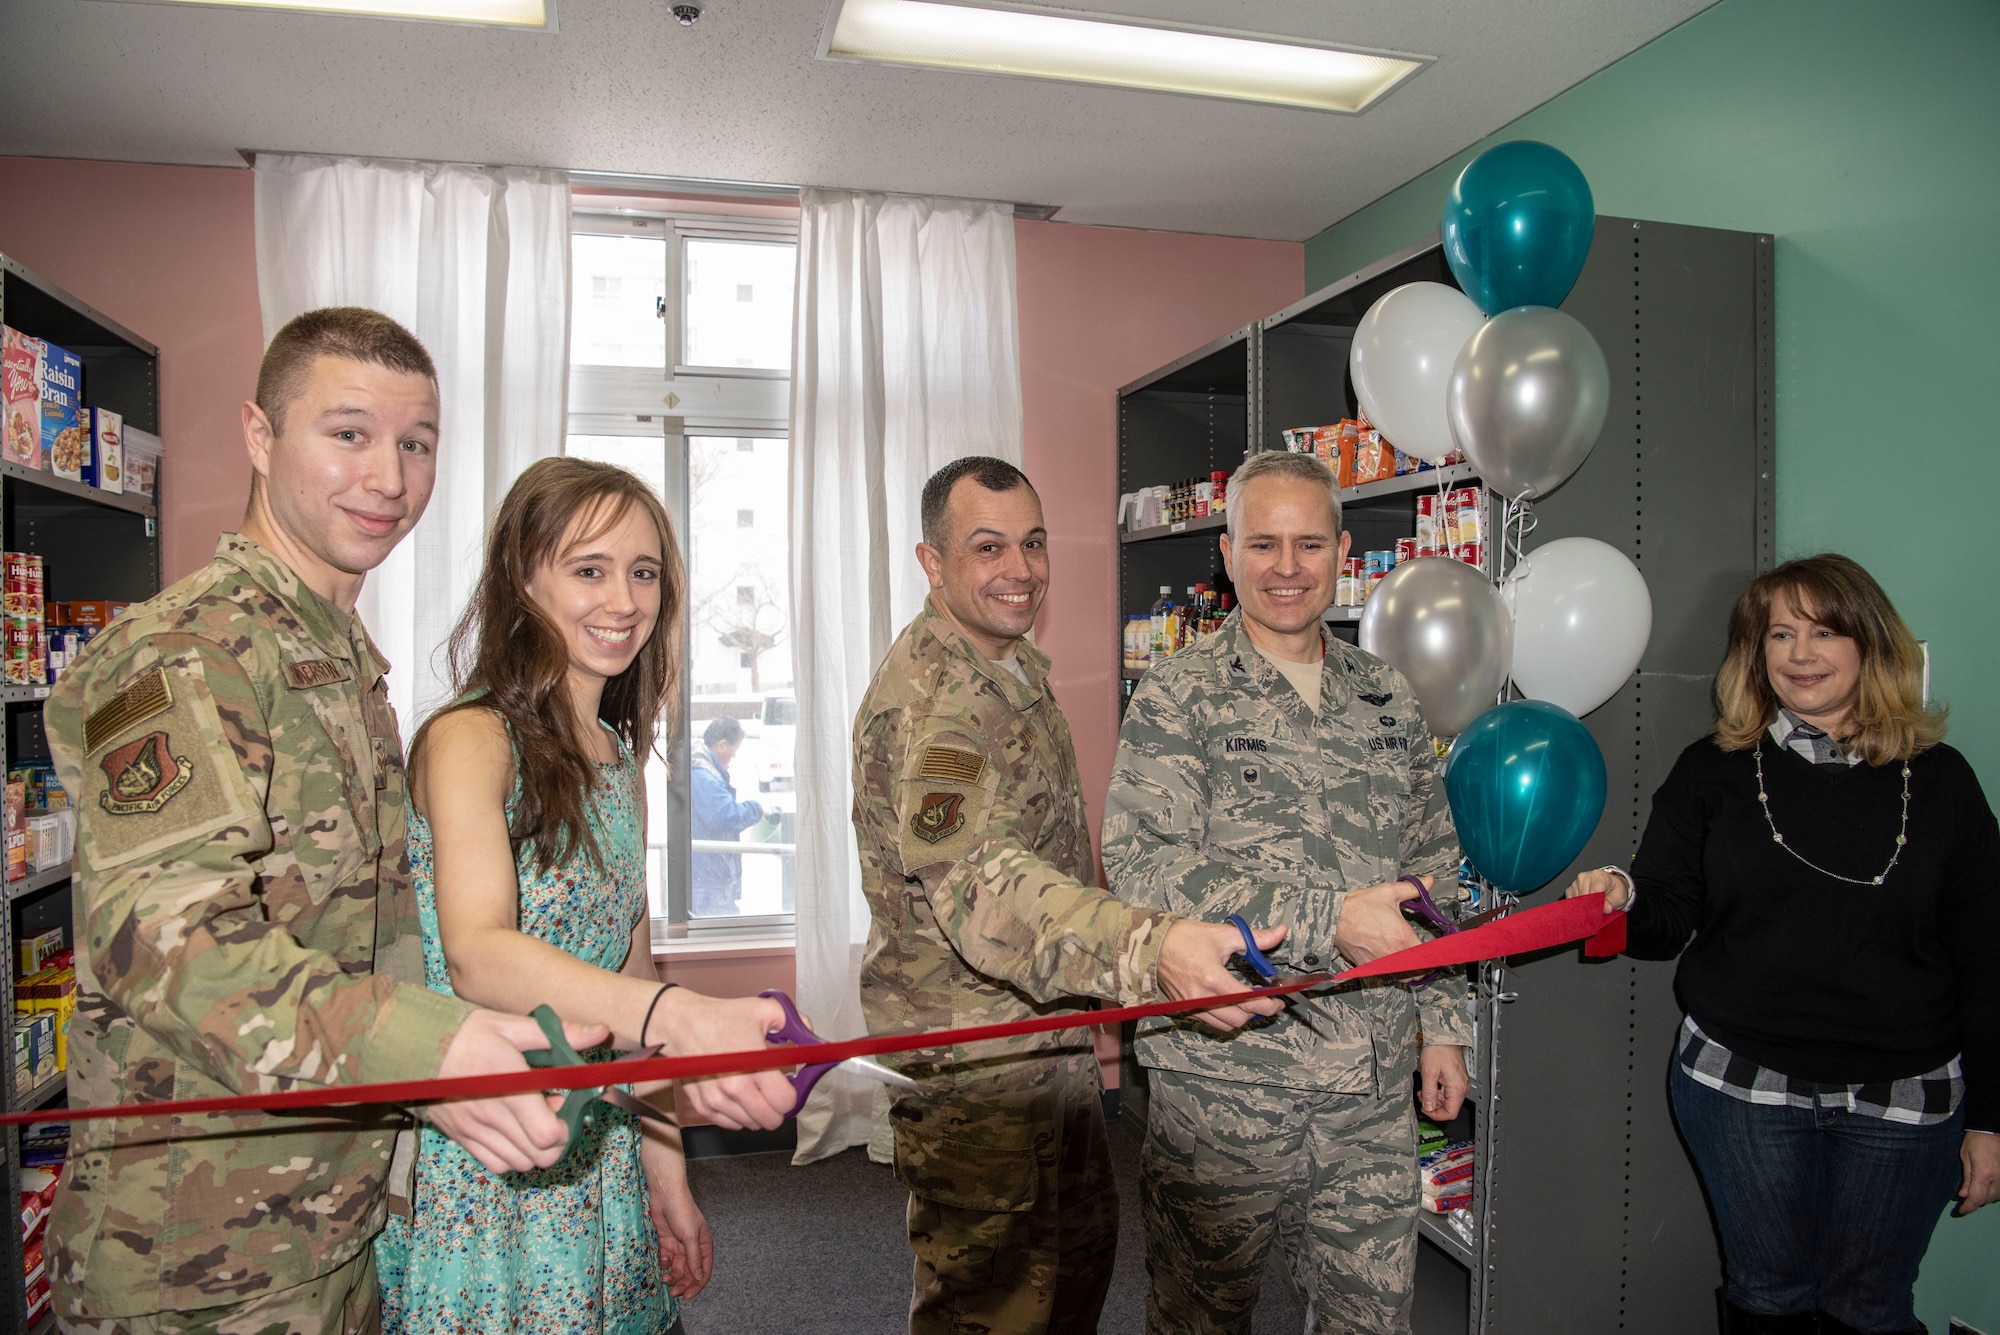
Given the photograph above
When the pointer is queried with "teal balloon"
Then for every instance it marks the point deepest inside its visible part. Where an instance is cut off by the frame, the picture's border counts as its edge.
(1517, 226)
(1526, 786)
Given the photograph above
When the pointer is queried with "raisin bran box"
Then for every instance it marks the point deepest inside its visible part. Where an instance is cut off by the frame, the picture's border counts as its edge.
(21, 398)
(65, 432)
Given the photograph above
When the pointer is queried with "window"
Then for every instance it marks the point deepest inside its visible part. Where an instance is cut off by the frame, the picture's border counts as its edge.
(719, 302)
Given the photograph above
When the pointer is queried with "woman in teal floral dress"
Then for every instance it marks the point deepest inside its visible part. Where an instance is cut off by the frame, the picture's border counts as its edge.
(527, 845)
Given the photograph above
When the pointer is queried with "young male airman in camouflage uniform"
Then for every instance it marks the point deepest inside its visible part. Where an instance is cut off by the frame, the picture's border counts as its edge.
(976, 863)
(243, 907)
(1233, 793)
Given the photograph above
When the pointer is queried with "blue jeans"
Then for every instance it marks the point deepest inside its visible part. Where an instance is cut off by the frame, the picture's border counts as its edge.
(1820, 1209)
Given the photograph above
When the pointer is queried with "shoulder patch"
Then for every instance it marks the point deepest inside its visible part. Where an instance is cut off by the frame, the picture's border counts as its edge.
(143, 776)
(302, 674)
(145, 698)
(939, 816)
(948, 762)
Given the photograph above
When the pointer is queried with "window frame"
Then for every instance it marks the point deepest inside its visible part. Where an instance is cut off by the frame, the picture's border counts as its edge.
(673, 404)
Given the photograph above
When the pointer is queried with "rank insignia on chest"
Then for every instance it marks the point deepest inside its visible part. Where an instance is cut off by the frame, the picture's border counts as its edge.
(143, 776)
(939, 817)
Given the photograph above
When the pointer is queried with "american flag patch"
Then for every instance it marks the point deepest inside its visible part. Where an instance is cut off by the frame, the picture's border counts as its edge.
(946, 762)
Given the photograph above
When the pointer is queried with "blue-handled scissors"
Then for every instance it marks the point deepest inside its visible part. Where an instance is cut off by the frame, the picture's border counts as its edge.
(794, 1030)
(1251, 955)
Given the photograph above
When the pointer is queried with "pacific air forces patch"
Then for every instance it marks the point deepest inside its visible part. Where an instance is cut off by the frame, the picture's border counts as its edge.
(143, 776)
(939, 816)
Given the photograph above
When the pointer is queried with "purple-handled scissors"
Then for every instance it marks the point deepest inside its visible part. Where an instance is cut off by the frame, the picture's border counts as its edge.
(1427, 909)
(794, 1031)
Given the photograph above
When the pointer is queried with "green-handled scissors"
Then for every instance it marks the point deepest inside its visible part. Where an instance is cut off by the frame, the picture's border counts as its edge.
(577, 1104)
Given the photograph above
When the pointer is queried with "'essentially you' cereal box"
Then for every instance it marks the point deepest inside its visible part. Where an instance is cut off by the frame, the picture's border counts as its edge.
(64, 431)
(20, 398)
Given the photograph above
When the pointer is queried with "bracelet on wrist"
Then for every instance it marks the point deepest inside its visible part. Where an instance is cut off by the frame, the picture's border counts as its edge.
(647, 1023)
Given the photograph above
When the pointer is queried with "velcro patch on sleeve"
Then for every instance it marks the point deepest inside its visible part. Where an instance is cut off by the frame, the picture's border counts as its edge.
(145, 698)
(303, 674)
(948, 762)
(938, 817)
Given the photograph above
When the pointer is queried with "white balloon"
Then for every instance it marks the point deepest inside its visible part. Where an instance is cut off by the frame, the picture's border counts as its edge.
(1401, 358)
(1582, 616)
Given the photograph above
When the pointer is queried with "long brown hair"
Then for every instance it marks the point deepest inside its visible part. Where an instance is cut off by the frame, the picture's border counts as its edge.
(1890, 719)
(508, 657)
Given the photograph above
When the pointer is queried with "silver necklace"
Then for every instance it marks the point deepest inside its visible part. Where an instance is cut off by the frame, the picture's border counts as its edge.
(1779, 839)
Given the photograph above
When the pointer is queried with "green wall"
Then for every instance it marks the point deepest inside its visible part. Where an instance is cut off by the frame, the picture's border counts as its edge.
(1866, 137)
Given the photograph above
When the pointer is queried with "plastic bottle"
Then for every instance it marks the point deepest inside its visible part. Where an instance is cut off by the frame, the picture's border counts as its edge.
(1189, 611)
(1163, 612)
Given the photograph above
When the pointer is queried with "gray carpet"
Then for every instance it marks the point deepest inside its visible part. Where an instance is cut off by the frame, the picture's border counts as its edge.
(820, 1250)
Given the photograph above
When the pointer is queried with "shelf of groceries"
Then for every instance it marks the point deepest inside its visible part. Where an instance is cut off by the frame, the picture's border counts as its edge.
(1445, 1174)
(51, 437)
(42, 635)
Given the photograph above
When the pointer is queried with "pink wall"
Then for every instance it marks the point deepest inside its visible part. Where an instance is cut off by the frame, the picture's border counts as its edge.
(169, 253)
(1100, 307)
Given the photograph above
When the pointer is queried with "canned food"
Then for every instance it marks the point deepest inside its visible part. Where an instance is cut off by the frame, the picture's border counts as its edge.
(1406, 550)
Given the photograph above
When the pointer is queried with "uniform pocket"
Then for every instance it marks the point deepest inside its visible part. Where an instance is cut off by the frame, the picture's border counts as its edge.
(966, 1177)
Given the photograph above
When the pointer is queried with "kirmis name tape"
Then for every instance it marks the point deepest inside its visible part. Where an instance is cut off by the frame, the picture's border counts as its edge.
(1542, 928)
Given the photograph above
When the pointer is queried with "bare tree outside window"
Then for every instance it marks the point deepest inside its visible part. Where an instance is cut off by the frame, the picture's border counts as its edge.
(754, 625)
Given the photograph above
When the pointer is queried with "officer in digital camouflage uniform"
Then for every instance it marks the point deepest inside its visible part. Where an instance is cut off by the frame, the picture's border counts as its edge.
(243, 908)
(977, 867)
(1255, 776)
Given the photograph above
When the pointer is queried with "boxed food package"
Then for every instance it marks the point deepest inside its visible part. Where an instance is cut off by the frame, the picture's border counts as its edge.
(52, 989)
(103, 467)
(17, 835)
(21, 398)
(34, 1261)
(93, 612)
(63, 424)
(45, 1144)
(38, 1193)
(32, 952)
(37, 1297)
(34, 1049)
(142, 463)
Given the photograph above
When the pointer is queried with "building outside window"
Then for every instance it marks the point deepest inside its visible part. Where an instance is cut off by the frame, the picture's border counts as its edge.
(680, 362)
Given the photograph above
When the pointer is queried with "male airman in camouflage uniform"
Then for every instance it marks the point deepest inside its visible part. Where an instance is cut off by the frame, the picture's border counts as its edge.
(243, 907)
(1235, 793)
(976, 864)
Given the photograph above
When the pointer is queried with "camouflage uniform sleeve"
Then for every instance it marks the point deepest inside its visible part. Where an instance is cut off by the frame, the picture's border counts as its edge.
(1430, 848)
(170, 768)
(1009, 913)
(1156, 850)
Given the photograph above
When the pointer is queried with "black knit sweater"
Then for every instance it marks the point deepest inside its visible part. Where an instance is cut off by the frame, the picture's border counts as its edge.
(1811, 976)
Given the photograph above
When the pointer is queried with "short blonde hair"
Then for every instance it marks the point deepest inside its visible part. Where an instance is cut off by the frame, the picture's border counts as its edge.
(1282, 463)
(1891, 720)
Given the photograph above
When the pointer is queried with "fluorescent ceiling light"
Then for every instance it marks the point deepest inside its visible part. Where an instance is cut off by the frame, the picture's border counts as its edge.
(1108, 49)
(493, 13)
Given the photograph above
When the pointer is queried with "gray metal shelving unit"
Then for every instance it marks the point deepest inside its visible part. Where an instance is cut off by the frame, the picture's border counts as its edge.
(95, 545)
(1588, 1213)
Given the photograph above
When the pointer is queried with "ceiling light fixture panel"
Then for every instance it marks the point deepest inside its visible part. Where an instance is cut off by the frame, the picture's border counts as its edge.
(528, 15)
(1113, 50)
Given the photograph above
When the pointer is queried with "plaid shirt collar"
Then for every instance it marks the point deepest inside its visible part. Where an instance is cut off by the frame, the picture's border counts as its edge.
(1790, 731)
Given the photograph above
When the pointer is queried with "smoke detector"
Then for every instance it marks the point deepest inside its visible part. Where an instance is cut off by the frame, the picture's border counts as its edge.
(685, 14)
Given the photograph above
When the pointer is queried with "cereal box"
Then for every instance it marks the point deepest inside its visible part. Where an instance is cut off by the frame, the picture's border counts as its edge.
(63, 425)
(21, 398)
(17, 834)
(103, 460)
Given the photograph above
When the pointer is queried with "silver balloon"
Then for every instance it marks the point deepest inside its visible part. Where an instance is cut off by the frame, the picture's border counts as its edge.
(1527, 399)
(1440, 624)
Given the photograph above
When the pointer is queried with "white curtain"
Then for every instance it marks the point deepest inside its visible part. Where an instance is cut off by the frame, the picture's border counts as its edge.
(907, 357)
(475, 262)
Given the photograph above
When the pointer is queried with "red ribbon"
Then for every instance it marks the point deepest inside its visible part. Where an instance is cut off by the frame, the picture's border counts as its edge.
(1542, 928)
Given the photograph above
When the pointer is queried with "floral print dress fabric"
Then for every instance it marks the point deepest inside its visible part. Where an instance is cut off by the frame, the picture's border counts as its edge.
(564, 1249)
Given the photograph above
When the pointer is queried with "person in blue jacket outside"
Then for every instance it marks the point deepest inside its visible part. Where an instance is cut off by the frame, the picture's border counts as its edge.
(718, 877)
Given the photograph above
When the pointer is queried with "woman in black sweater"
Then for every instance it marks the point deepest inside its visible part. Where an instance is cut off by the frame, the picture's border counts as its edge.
(1829, 874)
